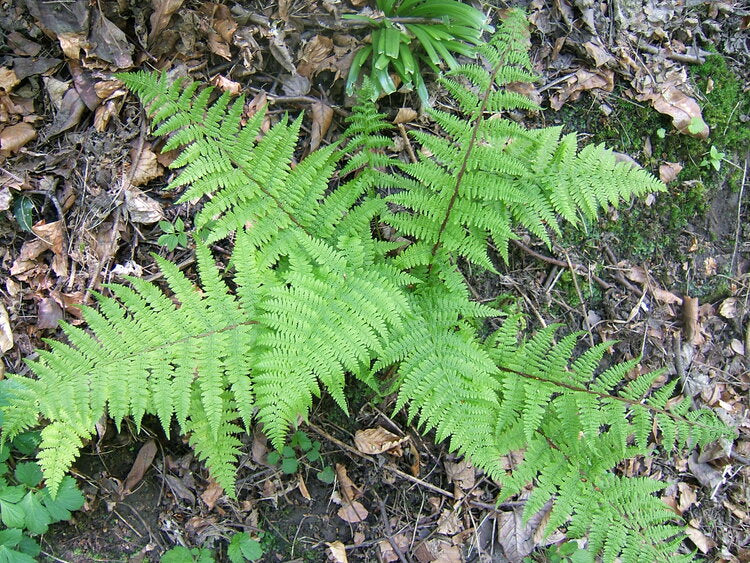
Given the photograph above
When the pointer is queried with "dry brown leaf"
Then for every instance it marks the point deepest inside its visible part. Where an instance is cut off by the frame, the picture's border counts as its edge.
(6, 334)
(597, 52)
(218, 46)
(668, 171)
(352, 512)
(53, 236)
(147, 168)
(5, 198)
(665, 296)
(16, 136)
(322, 114)
(637, 274)
(27, 257)
(349, 491)
(179, 488)
(163, 10)
(438, 551)
(378, 440)
(110, 43)
(303, 487)
(581, 81)
(337, 552)
(701, 540)
(142, 462)
(462, 474)
(103, 114)
(682, 109)
(212, 494)
(709, 477)
(48, 313)
(688, 497)
(387, 553)
(313, 54)
(8, 79)
(69, 114)
(449, 523)
(728, 308)
(22, 46)
(227, 85)
(72, 44)
(519, 539)
(405, 115)
(141, 208)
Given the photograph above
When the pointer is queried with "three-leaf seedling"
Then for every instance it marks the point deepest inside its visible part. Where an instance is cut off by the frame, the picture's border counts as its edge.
(174, 234)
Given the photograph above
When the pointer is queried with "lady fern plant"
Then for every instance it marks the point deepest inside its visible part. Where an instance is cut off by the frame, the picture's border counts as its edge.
(316, 293)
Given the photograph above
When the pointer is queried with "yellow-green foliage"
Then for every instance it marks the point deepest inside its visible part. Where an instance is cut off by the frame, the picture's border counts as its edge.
(317, 295)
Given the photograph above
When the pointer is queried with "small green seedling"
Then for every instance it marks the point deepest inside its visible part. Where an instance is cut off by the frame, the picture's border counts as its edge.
(181, 554)
(174, 234)
(713, 158)
(661, 132)
(244, 548)
(301, 447)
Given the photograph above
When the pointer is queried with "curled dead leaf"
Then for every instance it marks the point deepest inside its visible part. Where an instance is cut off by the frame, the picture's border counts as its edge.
(405, 115)
(684, 111)
(378, 440)
(322, 114)
(141, 208)
(668, 171)
(141, 464)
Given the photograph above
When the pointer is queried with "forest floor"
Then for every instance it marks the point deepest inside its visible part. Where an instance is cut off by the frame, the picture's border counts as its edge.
(82, 197)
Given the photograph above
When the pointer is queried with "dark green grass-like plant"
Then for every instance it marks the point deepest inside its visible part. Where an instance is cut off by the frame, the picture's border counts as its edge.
(411, 33)
(344, 266)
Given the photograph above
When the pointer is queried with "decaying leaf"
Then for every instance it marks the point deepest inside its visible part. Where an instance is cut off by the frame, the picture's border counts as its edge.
(728, 308)
(141, 464)
(337, 552)
(53, 236)
(438, 551)
(581, 81)
(16, 136)
(212, 494)
(519, 539)
(352, 512)
(701, 540)
(684, 111)
(462, 474)
(147, 167)
(322, 114)
(163, 11)
(49, 313)
(6, 334)
(141, 208)
(349, 491)
(313, 54)
(8, 79)
(387, 553)
(378, 440)
(109, 43)
(668, 171)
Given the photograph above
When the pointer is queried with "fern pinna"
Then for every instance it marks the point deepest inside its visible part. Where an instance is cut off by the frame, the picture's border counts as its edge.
(314, 294)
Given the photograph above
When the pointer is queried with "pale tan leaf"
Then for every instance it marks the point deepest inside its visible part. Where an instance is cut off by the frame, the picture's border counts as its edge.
(688, 497)
(8, 79)
(683, 110)
(141, 464)
(313, 55)
(405, 115)
(53, 236)
(141, 208)
(337, 552)
(303, 487)
(701, 540)
(6, 334)
(14, 137)
(212, 494)
(519, 539)
(449, 524)
(352, 512)
(665, 296)
(349, 491)
(668, 171)
(147, 168)
(322, 114)
(378, 440)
